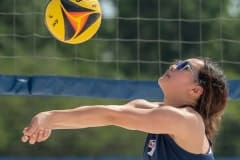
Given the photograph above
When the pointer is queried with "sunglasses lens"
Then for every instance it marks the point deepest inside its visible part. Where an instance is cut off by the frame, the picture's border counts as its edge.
(185, 65)
(181, 65)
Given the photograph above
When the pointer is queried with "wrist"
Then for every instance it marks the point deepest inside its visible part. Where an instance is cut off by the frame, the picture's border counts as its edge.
(45, 119)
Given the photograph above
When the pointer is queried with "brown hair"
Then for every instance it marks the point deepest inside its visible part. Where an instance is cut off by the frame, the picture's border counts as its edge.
(212, 102)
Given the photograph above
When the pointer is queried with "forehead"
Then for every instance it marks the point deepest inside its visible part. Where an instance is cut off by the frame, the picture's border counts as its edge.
(196, 63)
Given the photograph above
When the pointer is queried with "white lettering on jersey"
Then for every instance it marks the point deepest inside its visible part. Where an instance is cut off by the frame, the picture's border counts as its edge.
(152, 146)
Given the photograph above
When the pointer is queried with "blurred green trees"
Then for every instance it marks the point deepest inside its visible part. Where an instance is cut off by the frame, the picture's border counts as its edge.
(129, 46)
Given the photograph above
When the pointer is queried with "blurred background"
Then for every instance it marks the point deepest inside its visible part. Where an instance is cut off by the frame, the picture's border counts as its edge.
(137, 40)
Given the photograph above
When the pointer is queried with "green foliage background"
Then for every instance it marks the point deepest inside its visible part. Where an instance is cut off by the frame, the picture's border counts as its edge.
(27, 48)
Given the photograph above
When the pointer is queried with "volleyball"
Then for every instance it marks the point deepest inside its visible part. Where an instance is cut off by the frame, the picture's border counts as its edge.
(73, 21)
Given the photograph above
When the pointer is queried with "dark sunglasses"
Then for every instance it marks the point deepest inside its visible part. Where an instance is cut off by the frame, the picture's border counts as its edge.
(185, 65)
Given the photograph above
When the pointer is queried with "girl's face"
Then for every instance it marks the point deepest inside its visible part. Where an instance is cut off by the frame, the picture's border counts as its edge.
(181, 76)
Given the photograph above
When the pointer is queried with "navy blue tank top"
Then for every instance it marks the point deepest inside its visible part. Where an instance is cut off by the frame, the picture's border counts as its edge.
(163, 147)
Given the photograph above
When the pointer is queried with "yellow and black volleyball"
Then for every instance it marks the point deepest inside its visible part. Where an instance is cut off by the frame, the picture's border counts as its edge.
(73, 21)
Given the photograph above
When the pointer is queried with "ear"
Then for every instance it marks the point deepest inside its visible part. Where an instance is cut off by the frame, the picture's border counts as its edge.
(196, 91)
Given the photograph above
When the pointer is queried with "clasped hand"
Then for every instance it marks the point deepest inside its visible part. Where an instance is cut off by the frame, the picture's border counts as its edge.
(37, 130)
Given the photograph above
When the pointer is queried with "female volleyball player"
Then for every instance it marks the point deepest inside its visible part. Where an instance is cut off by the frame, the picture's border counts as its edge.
(179, 128)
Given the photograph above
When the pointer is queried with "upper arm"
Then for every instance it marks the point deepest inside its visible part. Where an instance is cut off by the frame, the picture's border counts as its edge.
(166, 120)
(142, 104)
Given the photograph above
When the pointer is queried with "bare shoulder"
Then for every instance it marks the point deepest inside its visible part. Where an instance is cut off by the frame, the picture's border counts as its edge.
(193, 125)
(142, 103)
(192, 136)
(194, 116)
(187, 118)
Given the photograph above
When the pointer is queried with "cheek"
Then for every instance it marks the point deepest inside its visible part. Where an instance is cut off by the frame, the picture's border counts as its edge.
(177, 82)
(180, 80)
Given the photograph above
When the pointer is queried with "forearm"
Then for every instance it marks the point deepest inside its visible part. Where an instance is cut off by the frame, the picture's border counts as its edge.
(131, 116)
(81, 117)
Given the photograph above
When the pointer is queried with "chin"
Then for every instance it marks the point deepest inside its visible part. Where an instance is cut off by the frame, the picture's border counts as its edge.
(161, 82)
(165, 84)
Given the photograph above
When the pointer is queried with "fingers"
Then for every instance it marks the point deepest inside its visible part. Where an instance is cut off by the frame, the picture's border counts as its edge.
(43, 135)
(25, 130)
(39, 135)
(30, 134)
(47, 134)
(33, 138)
(28, 131)
(36, 132)
(25, 138)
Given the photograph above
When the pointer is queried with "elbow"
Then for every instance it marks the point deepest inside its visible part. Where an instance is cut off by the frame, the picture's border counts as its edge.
(113, 117)
(112, 114)
(121, 117)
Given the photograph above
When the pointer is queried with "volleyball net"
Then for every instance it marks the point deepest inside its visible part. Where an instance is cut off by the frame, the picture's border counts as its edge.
(135, 44)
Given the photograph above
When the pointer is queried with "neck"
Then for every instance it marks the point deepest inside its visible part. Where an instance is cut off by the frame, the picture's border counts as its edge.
(177, 102)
